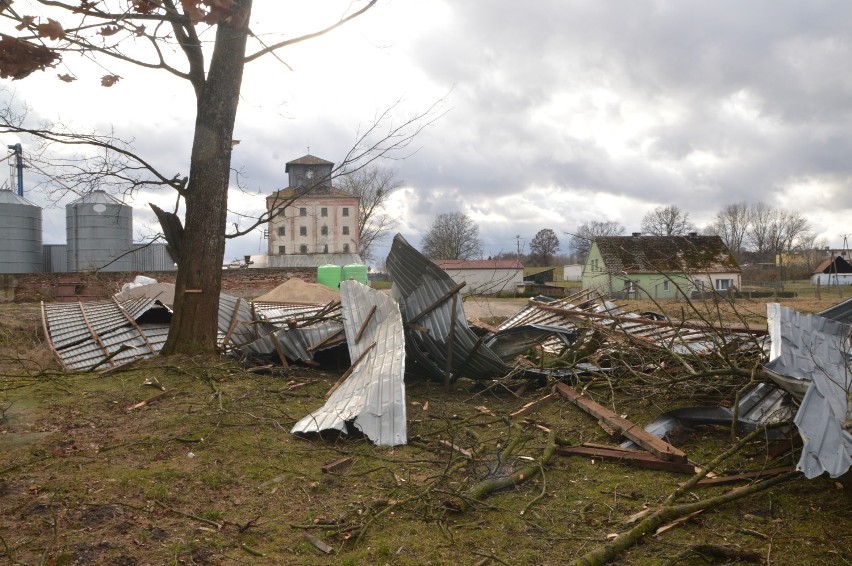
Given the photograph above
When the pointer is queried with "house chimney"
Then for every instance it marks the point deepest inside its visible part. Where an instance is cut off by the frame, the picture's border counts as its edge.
(637, 234)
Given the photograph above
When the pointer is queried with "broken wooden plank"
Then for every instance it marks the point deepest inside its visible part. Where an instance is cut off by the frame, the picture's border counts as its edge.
(463, 451)
(723, 480)
(534, 406)
(627, 429)
(349, 371)
(638, 458)
(337, 464)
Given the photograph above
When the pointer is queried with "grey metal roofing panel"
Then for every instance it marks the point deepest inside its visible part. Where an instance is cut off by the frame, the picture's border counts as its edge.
(244, 330)
(373, 396)
(418, 284)
(115, 336)
(812, 348)
(841, 312)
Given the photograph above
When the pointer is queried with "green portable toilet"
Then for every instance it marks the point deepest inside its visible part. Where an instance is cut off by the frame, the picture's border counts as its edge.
(329, 275)
(355, 271)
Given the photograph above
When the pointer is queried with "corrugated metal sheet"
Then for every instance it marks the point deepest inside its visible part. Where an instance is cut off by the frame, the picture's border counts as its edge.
(841, 312)
(588, 309)
(152, 256)
(54, 258)
(103, 333)
(299, 329)
(811, 348)
(418, 284)
(373, 396)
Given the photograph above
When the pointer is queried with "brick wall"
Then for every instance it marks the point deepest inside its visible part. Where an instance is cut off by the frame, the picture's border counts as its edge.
(29, 287)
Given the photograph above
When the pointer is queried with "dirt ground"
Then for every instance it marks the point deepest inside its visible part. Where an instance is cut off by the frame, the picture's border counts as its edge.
(106, 469)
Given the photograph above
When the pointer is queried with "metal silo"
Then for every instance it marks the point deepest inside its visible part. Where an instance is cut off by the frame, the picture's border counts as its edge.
(20, 234)
(99, 230)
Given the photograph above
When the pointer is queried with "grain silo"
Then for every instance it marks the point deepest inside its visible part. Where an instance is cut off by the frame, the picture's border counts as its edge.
(20, 234)
(99, 230)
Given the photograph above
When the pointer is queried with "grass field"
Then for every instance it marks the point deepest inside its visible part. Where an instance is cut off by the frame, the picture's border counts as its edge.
(206, 472)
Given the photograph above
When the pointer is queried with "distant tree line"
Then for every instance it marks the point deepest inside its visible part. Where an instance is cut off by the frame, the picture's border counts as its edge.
(755, 233)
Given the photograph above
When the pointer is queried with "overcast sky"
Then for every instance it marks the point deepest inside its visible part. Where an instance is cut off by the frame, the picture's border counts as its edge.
(555, 113)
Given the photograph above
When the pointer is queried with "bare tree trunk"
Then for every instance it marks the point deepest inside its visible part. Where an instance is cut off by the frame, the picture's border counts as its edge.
(199, 280)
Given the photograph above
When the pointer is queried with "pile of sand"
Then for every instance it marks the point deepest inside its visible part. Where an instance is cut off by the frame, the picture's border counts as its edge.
(294, 290)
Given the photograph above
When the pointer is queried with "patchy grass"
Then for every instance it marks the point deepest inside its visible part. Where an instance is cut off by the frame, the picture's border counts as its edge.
(208, 473)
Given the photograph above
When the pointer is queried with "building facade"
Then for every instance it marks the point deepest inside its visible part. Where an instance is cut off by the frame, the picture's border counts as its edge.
(310, 216)
(660, 267)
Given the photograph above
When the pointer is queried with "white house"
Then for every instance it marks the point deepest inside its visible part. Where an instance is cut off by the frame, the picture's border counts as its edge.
(833, 271)
(484, 276)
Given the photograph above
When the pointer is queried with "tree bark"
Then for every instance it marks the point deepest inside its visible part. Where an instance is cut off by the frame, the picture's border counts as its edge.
(199, 280)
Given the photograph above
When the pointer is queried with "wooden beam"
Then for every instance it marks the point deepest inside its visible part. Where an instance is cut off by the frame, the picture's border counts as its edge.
(534, 406)
(628, 429)
(327, 340)
(135, 326)
(232, 325)
(364, 325)
(48, 338)
(441, 300)
(337, 464)
(97, 338)
(638, 458)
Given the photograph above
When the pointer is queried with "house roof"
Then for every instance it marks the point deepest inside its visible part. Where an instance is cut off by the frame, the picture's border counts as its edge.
(666, 254)
(834, 265)
(306, 160)
(478, 264)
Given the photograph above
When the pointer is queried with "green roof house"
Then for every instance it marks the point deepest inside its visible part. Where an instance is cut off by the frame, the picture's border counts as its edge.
(660, 267)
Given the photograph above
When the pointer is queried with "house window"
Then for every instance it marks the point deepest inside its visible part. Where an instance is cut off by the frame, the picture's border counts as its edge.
(665, 285)
(345, 211)
(323, 211)
(346, 248)
(723, 284)
(346, 230)
(594, 265)
(282, 231)
(282, 250)
(303, 212)
(324, 230)
(303, 249)
(325, 249)
(303, 230)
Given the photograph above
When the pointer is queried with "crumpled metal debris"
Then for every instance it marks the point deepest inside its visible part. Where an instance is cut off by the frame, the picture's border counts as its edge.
(371, 395)
(813, 354)
(439, 343)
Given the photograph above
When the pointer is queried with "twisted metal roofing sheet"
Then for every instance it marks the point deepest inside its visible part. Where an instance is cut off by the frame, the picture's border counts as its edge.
(419, 284)
(85, 335)
(811, 348)
(373, 396)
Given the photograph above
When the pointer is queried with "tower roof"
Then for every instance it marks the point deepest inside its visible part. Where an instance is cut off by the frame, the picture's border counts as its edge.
(11, 197)
(98, 197)
(306, 160)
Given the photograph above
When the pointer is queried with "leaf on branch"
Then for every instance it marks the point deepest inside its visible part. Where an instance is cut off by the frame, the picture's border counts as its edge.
(66, 78)
(140, 31)
(25, 22)
(107, 31)
(109, 80)
(19, 58)
(210, 11)
(85, 6)
(52, 29)
(145, 6)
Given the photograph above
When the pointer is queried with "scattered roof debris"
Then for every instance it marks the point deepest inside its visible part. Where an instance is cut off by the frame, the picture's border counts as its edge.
(439, 343)
(813, 354)
(371, 394)
(87, 336)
